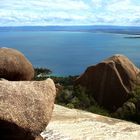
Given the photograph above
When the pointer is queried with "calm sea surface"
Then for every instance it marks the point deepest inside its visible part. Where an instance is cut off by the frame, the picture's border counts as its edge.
(70, 53)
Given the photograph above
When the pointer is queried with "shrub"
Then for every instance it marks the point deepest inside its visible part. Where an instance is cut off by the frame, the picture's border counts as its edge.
(70, 105)
(41, 73)
(98, 110)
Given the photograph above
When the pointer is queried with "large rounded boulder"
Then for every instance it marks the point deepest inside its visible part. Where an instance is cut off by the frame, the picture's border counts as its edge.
(110, 82)
(25, 108)
(14, 66)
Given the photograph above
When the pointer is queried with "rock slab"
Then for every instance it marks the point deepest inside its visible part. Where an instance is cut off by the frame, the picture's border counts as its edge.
(25, 108)
(73, 124)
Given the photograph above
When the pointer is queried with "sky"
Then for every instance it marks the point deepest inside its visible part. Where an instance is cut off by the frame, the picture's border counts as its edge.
(69, 12)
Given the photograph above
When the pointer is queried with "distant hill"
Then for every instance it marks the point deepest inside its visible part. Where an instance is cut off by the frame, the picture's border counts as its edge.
(132, 30)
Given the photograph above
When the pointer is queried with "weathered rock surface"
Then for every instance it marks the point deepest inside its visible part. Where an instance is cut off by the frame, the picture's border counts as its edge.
(25, 108)
(111, 81)
(72, 124)
(14, 66)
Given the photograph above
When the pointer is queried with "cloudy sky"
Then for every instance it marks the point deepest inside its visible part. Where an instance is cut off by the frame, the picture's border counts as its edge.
(69, 12)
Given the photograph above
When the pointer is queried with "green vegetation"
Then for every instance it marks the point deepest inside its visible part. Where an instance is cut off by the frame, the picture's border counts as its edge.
(41, 73)
(131, 109)
(78, 97)
(69, 95)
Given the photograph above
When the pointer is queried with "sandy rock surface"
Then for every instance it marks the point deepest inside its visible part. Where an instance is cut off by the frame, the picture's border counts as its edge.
(72, 124)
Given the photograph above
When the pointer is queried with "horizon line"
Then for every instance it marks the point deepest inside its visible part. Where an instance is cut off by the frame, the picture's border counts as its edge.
(69, 25)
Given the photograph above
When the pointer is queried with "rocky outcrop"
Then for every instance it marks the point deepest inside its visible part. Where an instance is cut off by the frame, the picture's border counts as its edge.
(111, 81)
(25, 108)
(14, 66)
(73, 124)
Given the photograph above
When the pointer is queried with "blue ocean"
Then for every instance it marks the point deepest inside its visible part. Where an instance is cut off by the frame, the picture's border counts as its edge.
(70, 52)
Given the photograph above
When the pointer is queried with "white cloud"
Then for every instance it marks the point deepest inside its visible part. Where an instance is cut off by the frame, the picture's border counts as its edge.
(66, 12)
(116, 12)
(123, 11)
(41, 11)
(97, 3)
(122, 6)
(60, 4)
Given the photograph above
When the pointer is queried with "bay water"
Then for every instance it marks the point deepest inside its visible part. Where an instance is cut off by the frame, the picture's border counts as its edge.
(70, 53)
